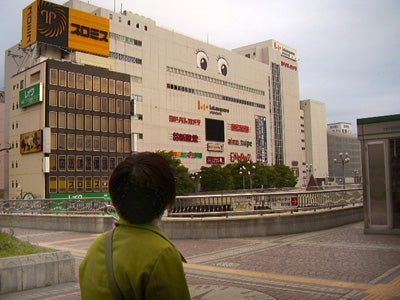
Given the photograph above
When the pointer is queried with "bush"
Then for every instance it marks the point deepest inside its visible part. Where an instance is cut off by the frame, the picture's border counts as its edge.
(11, 246)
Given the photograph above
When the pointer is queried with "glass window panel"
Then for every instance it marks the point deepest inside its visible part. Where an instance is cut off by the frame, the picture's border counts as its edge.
(127, 145)
(79, 81)
(71, 163)
(71, 80)
(53, 98)
(96, 123)
(79, 121)
(71, 141)
(119, 107)
(62, 78)
(62, 99)
(79, 101)
(71, 100)
(96, 83)
(120, 159)
(113, 163)
(88, 163)
(104, 85)
(52, 184)
(104, 124)
(127, 88)
(62, 184)
(88, 123)
(79, 142)
(53, 76)
(88, 102)
(62, 162)
(53, 141)
(96, 103)
(61, 120)
(96, 183)
(88, 183)
(79, 184)
(127, 126)
(88, 143)
(111, 86)
(71, 121)
(104, 163)
(96, 143)
(120, 125)
(79, 163)
(127, 107)
(53, 162)
(62, 141)
(88, 82)
(96, 163)
(111, 125)
(104, 183)
(112, 142)
(53, 119)
(104, 144)
(120, 145)
(104, 104)
(119, 90)
(111, 105)
(71, 184)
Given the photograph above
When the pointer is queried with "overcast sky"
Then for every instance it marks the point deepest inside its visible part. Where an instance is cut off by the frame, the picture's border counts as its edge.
(348, 50)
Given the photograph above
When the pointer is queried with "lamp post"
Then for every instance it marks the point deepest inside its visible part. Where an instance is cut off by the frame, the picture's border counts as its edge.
(242, 171)
(343, 159)
(309, 171)
(251, 171)
(355, 174)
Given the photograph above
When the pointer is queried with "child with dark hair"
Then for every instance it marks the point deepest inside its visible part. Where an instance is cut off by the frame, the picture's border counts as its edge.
(145, 264)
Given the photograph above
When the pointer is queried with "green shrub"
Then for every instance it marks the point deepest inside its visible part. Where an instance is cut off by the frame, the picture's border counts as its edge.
(11, 246)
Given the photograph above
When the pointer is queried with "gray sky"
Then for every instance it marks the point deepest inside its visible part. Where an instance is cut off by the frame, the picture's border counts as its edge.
(347, 49)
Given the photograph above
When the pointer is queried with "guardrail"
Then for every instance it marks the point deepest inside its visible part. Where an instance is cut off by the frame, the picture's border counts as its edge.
(263, 203)
(199, 205)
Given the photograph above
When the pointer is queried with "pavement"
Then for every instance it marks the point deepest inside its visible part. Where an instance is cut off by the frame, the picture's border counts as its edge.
(338, 263)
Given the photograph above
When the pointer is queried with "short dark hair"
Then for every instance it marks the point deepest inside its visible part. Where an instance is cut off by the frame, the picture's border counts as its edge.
(142, 187)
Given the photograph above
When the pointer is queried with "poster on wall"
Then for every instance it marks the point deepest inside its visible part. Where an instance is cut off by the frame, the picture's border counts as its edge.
(31, 142)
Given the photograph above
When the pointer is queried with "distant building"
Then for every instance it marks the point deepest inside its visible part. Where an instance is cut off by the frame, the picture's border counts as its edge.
(341, 127)
(315, 140)
(2, 140)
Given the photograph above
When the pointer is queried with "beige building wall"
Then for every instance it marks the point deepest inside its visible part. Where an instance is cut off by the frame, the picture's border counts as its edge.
(315, 137)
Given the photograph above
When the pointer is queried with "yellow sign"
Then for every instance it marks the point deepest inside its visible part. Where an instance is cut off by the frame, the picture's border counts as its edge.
(29, 22)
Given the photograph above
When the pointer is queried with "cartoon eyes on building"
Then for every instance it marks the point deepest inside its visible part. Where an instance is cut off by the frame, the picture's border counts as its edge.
(202, 62)
(222, 65)
(202, 59)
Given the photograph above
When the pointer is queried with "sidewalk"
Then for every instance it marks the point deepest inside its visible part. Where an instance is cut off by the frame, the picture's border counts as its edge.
(339, 263)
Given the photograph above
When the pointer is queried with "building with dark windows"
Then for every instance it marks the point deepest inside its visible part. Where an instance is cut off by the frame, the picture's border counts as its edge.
(107, 83)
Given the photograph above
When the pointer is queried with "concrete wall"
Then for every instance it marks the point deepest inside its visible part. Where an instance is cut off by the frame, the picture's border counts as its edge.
(198, 228)
(37, 270)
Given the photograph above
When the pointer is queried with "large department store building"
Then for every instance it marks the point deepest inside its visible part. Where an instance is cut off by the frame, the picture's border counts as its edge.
(96, 85)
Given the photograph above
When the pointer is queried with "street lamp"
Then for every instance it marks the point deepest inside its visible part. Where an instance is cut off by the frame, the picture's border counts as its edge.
(242, 171)
(251, 172)
(343, 159)
(355, 174)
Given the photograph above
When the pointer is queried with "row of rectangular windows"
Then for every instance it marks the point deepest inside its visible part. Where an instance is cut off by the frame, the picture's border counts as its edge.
(79, 101)
(89, 82)
(96, 143)
(77, 184)
(215, 80)
(213, 95)
(96, 123)
(80, 163)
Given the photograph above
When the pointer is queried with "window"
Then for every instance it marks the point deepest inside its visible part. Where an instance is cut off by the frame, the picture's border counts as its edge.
(71, 141)
(79, 101)
(61, 162)
(62, 99)
(62, 184)
(71, 100)
(53, 140)
(104, 144)
(62, 141)
(111, 86)
(88, 123)
(127, 107)
(127, 88)
(71, 121)
(127, 126)
(52, 184)
(79, 121)
(71, 163)
(96, 184)
(62, 78)
(104, 164)
(127, 145)
(96, 163)
(104, 104)
(104, 85)
(53, 162)
(96, 123)
(53, 76)
(120, 144)
(96, 143)
(88, 102)
(61, 120)
(119, 90)
(79, 163)
(104, 183)
(88, 82)
(53, 119)
(79, 81)
(79, 184)
(88, 183)
(119, 106)
(120, 125)
(52, 98)
(112, 142)
(111, 105)
(88, 143)
(79, 142)
(88, 163)
(71, 80)
(113, 163)
(96, 103)
(96, 83)
(111, 125)
(104, 124)
(71, 184)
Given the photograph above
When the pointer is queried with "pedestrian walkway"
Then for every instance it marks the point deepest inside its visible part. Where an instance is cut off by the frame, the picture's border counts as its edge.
(339, 263)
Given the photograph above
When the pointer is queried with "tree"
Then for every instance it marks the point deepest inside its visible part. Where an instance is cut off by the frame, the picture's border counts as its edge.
(216, 178)
(284, 176)
(184, 184)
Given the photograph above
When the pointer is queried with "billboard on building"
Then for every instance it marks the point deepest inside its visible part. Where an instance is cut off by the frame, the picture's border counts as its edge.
(31, 142)
(31, 95)
(57, 25)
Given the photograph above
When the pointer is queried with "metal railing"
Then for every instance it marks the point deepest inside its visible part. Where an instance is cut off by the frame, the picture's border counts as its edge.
(199, 205)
